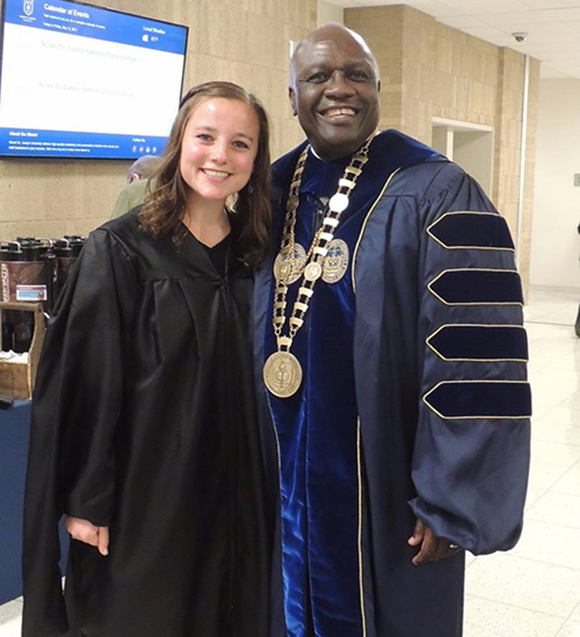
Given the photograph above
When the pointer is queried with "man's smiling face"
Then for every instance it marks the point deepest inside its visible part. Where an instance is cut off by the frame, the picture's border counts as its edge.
(335, 92)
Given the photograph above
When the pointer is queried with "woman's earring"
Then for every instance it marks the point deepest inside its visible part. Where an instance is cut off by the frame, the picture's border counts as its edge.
(231, 202)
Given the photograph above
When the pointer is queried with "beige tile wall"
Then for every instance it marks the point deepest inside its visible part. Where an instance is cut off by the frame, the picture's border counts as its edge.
(246, 41)
(530, 172)
(431, 70)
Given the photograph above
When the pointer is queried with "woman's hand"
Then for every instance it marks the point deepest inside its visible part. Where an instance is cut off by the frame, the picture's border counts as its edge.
(85, 531)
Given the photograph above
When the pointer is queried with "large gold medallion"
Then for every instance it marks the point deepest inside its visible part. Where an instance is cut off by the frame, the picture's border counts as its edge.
(327, 258)
(288, 267)
(336, 261)
(282, 374)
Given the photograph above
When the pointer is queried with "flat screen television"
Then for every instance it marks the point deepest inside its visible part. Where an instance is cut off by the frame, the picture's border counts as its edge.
(80, 81)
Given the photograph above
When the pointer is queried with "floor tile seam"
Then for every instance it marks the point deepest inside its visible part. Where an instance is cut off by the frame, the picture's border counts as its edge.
(549, 323)
(541, 414)
(569, 618)
(572, 495)
(574, 610)
(545, 394)
(576, 464)
(562, 342)
(551, 422)
(539, 612)
(550, 464)
(537, 375)
(562, 493)
(574, 569)
(541, 495)
(556, 524)
(539, 388)
(557, 442)
(552, 360)
(566, 467)
(566, 526)
(537, 340)
(568, 444)
(537, 561)
(561, 628)
(555, 482)
(557, 405)
(561, 371)
(560, 368)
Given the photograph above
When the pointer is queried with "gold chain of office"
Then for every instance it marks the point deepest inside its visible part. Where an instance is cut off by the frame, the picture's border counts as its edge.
(282, 370)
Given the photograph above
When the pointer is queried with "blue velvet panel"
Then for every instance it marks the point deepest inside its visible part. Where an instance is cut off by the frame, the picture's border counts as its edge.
(480, 399)
(317, 436)
(478, 287)
(480, 343)
(317, 428)
(466, 230)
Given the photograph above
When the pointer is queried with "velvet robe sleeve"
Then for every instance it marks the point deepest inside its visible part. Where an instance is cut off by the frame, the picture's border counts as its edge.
(471, 454)
(76, 406)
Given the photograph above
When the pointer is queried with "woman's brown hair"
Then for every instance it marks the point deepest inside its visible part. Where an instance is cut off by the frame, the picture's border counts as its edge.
(165, 204)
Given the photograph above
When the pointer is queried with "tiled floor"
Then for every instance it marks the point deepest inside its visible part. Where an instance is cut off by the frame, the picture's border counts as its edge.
(533, 591)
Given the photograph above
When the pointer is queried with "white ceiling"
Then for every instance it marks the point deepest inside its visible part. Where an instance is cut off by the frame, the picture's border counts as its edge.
(553, 26)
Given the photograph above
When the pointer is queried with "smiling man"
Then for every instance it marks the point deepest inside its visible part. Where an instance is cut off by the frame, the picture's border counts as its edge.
(390, 343)
(335, 118)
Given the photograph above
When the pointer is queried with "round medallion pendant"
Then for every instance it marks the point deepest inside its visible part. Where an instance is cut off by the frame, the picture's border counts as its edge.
(338, 202)
(336, 261)
(282, 374)
(312, 271)
(288, 267)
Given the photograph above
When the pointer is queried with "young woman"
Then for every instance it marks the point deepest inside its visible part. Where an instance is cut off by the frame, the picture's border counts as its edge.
(143, 431)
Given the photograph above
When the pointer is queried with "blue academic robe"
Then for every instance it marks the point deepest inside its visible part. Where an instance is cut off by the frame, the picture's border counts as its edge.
(414, 401)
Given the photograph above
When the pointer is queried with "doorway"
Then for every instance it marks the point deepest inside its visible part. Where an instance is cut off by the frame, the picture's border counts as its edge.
(468, 145)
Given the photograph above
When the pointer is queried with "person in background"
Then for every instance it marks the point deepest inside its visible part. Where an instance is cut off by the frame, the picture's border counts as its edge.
(138, 184)
(391, 356)
(144, 432)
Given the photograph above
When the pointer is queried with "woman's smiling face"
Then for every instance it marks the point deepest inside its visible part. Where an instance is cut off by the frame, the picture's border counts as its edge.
(218, 148)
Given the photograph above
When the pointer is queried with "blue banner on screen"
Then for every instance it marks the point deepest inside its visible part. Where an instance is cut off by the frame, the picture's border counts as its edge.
(81, 81)
(57, 143)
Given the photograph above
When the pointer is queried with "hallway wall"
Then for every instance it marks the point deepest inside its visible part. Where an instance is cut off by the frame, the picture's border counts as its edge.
(555, 242)
(246, 41)
(431, 70)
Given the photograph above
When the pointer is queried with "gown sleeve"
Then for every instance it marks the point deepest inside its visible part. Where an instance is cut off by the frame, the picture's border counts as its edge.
(76, 407)
(471, 454)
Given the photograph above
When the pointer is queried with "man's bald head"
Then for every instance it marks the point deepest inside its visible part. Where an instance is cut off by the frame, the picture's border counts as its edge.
(334, 90)
(326, 32)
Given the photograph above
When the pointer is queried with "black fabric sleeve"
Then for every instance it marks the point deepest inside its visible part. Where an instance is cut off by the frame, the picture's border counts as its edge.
(76, 407)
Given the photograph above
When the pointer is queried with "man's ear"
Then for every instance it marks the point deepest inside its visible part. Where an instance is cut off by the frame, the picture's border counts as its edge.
(292, 96)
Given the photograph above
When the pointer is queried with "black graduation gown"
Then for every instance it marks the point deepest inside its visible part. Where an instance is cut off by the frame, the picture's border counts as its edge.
(143, 421)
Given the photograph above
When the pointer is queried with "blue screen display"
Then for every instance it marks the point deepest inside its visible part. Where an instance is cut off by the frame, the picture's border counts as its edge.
(79, 81)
